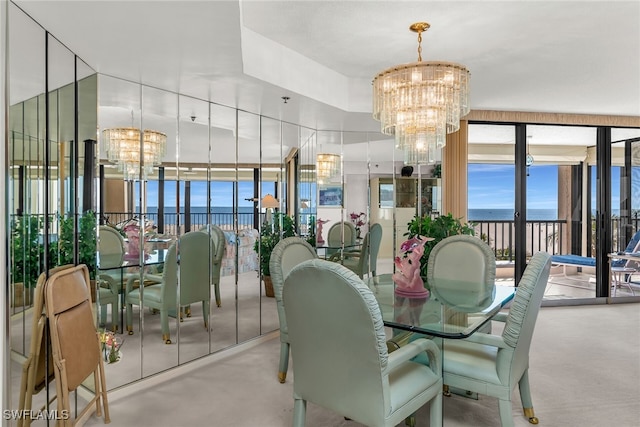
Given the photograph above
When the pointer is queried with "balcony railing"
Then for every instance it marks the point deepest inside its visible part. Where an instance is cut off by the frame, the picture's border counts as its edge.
(224, 220)
(544, 236)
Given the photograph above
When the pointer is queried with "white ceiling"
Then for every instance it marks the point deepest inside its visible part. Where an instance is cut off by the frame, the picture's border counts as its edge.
(544, 56)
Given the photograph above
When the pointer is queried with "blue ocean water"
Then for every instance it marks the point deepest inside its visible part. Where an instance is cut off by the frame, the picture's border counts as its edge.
(220, 215)
(507, 214)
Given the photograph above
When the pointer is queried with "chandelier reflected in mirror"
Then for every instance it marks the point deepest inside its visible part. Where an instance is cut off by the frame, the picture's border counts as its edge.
(421, 102)
(123, 149)
(327, 167)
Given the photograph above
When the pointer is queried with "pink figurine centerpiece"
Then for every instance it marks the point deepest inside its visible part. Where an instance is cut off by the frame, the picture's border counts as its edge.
(410, 293)
(132, 231)
(319, 224)
(407, 276)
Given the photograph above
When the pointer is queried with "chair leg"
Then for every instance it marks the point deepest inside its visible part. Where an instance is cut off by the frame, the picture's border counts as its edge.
(284, 362)
(506, 417)
(525, 397)
(435, 410)
(103, 314)
(299, 412)
(164, 322)
(216, 288)
(129, 320)
(205, 313)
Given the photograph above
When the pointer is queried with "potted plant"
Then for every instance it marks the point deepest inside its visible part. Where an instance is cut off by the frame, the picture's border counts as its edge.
(311, 237)
(437, 228)
(87, 243)
(28, 256)
(270, 235)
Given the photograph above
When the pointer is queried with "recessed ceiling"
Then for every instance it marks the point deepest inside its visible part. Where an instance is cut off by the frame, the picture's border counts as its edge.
(568, 57)
(563, 57)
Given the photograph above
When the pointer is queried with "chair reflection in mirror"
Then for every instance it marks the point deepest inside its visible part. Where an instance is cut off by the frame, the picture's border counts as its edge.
(365, 260)
(195, 255)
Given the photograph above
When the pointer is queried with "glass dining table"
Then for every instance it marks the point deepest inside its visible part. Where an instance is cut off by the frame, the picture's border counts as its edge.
(454, 313)
(130, 268)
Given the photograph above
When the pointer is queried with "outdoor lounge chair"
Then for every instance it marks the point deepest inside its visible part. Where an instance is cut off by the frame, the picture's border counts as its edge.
(617, 265)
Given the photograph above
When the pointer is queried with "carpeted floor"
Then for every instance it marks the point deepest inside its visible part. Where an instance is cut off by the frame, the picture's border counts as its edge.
(584, 371)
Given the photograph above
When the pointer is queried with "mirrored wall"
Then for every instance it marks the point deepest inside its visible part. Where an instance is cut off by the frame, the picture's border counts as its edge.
(174, 203)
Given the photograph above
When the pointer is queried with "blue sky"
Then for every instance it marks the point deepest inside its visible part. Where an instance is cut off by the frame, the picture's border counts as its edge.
(221, 193)
(492, 186)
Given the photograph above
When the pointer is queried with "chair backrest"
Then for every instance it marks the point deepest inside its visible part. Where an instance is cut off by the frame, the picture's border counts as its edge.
(461, 271)
(334, 236)
(520, 323)
(170, 275)
(110, 247)
(368, 260)
(287, 253)
(634, 243)
(219, 247)
(73, 332)
(633, 246)
(195, 251)
(337, 339)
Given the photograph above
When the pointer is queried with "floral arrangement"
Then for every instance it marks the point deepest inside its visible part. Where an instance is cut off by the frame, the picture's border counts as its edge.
(358, 219)
(110, 347)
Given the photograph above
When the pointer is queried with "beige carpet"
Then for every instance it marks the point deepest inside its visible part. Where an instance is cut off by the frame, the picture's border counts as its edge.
(585, 371)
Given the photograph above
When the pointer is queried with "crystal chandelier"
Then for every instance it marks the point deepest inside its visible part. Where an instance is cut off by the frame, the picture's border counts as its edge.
(327, 167)
(421, 102)
(123, 148)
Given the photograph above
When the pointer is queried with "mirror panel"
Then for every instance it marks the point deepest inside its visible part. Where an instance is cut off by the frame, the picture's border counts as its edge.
(222, 206)
(119, 106)
(26, 133)
(277, 140)
(194, 152)
(248, 168)
(160, 313)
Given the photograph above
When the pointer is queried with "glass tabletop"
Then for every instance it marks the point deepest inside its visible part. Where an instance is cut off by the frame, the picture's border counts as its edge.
(454, 313)
(154, 258)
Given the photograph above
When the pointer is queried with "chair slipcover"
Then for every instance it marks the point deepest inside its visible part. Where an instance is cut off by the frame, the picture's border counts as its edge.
(494, 365)
(287, 253)
(340, 358)
(195, 256)
(461, 272)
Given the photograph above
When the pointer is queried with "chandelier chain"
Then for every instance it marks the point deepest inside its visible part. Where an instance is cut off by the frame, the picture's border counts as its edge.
(419, 46)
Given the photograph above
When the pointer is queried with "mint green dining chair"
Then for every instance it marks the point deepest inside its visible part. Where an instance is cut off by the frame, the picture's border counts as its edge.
(339, 352)
(493, 365)
(339, 231)
(287, 253)
(111, 252)
(364, 261)
(195, 255)
(219, 247)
